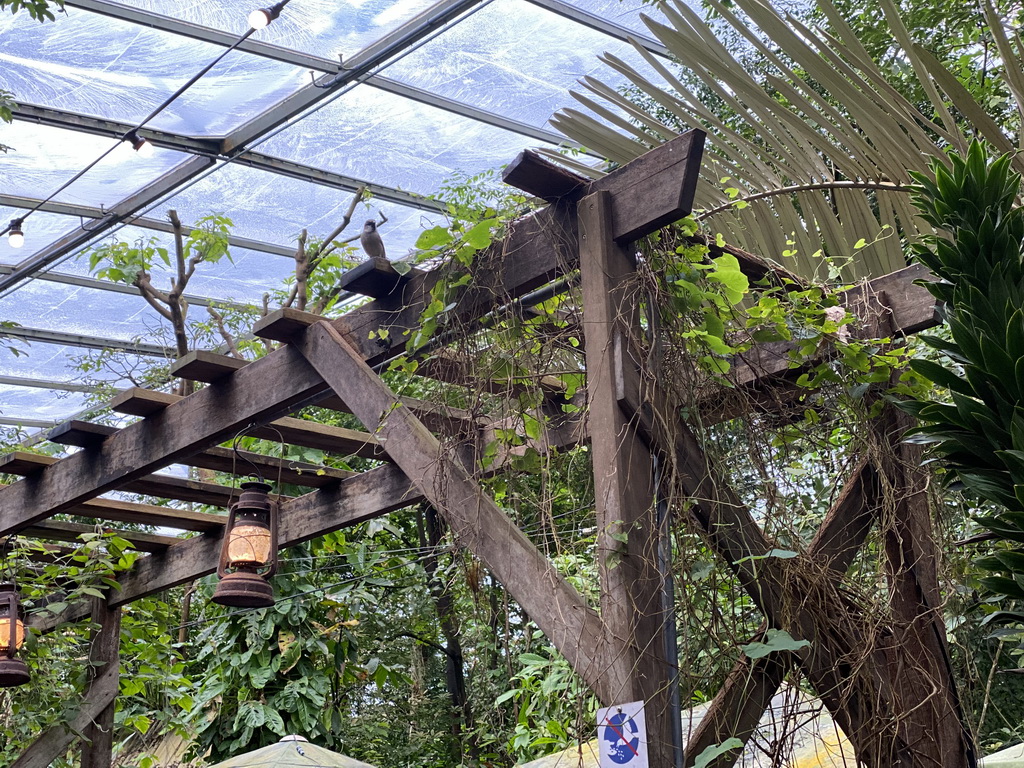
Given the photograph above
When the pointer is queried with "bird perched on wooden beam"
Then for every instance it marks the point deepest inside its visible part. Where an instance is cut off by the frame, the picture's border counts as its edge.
(369, 238)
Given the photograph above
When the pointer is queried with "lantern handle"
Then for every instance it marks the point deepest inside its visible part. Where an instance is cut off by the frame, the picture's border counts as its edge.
(239, 455)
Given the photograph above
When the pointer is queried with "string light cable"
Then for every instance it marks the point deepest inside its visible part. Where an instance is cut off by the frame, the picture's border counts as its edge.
(263, 16)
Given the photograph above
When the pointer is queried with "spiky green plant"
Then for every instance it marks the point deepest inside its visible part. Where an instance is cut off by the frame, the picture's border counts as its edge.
(978, 256)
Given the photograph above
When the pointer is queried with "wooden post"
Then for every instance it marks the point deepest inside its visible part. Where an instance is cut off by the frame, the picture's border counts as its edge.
(925, 691)
(105, 657)
(631, 584)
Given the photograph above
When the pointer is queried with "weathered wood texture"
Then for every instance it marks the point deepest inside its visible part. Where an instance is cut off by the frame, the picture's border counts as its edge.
(97, 702)
(844, 667)
(104, 656)
(84, 434)
(375, 277)
(479, 525)
(631, 582)
(887, 305)
(537, 176)
(931, 717)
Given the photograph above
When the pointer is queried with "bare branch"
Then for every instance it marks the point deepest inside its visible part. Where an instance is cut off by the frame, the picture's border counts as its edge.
(229, 339)
(344, 221)
(888, 186)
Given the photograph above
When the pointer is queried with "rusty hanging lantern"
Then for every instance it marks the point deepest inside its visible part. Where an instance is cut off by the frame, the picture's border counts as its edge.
(13, 671)
(248, 554)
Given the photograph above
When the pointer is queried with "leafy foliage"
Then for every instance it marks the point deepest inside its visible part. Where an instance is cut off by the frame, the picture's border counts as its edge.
(979, 435)
(40, 10)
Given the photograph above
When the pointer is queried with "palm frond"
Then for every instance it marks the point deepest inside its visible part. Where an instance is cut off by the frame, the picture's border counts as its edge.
(814, 156)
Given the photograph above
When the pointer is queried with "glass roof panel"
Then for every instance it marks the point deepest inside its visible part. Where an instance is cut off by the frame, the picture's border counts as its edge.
(482, 61)
(370, 134)
(56, 362)
(100, 66)
(326, 28)
(88, 311)
(44, 158)
(274, 209)
(625, 14)
(35, 403)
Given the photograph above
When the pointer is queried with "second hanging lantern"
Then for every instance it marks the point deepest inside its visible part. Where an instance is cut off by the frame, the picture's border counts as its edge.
(248, 554)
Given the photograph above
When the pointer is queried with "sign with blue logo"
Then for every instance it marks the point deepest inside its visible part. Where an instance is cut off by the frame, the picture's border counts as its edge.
(622, 736)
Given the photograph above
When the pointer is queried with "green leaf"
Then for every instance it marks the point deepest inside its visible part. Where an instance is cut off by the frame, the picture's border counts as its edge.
(775, 640)
(709, 754)
(433, 238)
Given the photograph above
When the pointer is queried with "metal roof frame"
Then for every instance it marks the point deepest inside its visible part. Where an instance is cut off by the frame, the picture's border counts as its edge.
(238, 146)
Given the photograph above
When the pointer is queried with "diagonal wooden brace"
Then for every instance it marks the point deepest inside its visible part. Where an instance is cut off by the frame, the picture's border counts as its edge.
(480, 525)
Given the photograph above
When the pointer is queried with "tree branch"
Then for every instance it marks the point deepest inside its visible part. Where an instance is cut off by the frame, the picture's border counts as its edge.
(888, 186)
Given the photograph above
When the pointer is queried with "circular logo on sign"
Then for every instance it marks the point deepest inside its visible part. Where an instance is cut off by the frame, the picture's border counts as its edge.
(620, 731)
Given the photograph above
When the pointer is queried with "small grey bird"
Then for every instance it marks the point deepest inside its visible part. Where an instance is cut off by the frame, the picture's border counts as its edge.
(371, 242)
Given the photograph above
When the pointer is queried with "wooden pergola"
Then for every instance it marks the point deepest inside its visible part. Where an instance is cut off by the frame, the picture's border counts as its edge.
(903, 712)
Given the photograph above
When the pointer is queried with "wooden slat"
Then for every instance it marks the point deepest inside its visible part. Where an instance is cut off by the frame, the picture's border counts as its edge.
(53, 530)
(161, 486)
(541, 178)
(479, 525)
(282, 324)
(207, 367)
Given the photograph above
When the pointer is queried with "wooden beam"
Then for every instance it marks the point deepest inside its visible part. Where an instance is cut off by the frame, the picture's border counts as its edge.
(33, 466)
(477, 522)
(53, 530)
(751, 685)
(628, 539)
(354, 500)
(859, 696)
(890, 305)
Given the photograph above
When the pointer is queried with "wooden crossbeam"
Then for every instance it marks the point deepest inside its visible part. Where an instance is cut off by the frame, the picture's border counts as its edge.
(162, 486)
(557, 608)
(53, 530)
(751, 685)
(730, 529)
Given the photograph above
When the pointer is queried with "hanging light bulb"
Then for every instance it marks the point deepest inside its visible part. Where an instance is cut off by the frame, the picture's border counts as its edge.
(13, 671)
(260, 18)
(248, 554)
(15, 235)
(139, 144)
